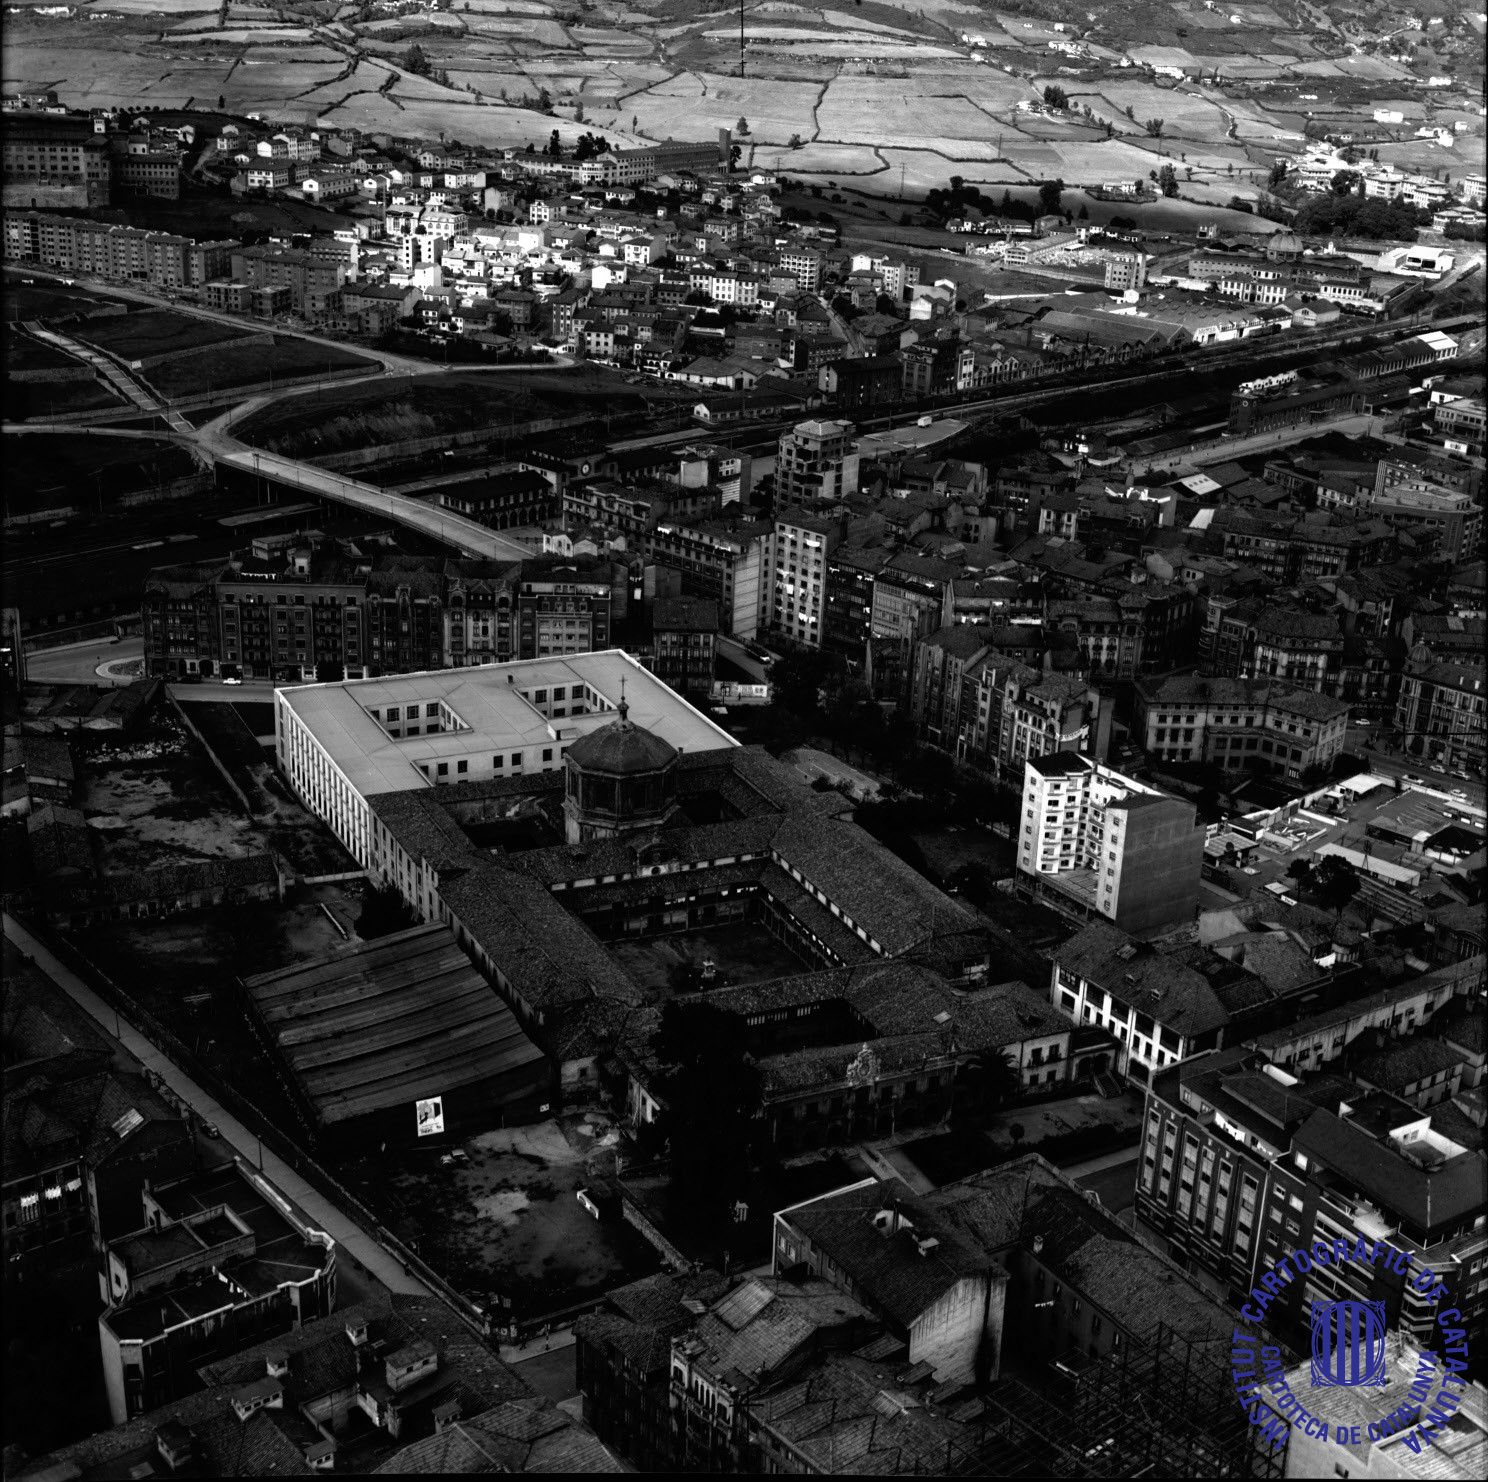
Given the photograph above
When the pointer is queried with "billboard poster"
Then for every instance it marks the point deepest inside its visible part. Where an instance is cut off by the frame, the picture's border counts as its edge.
(431, 1116)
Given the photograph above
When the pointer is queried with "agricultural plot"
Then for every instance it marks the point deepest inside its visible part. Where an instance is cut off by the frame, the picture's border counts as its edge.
(823, 160)
(901, 113)
(694, 106)
(1181, 111)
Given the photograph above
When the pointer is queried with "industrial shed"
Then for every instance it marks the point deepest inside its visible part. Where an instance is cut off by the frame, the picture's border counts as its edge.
(398, 1041)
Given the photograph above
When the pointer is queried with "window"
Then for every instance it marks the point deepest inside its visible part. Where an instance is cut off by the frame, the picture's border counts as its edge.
(498, 762)
(462, 766)
(516, 758)
(444, 769)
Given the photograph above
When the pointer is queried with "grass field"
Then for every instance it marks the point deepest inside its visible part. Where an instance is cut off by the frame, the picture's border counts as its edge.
(41, 299)
(22, 353)
(390, 411)
(43, 471)
(156, 332)
(248, 363)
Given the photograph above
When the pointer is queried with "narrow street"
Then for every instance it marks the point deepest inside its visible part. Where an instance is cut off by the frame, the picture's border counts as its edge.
(355, 1242)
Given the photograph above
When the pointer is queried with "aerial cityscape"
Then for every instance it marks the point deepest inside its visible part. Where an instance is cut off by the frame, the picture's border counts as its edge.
(744, 737)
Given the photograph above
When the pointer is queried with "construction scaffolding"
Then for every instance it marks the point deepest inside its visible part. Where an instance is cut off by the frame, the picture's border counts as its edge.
(1161, 1407)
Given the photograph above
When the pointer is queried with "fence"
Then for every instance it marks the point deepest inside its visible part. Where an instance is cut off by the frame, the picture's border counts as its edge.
(217, 762)
(267, 1132)
(82, 633)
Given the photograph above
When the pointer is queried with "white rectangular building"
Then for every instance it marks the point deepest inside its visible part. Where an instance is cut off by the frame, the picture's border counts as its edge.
(339, 744)
(1112, 845)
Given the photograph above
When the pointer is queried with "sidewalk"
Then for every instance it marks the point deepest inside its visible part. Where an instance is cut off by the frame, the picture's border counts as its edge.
(351, 1238)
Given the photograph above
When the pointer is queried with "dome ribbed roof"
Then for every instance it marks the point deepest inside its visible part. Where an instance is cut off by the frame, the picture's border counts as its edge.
(622, 748)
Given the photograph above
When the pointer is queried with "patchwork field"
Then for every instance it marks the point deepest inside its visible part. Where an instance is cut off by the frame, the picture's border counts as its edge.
(873, 90)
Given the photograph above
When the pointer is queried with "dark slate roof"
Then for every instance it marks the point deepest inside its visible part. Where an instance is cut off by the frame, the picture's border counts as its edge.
(621, 748)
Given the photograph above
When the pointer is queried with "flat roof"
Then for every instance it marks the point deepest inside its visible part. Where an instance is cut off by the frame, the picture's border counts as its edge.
(493, 701)
(384, 1024)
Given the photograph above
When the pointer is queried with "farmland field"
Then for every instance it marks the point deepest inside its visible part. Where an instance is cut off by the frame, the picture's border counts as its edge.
(887, 91)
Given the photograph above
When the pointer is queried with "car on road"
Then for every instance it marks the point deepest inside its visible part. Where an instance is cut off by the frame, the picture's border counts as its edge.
(1411, 777)
(210, 1128)
(1461, 772)
(232, 679)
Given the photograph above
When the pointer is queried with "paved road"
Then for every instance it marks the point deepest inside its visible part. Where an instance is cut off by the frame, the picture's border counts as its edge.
(352, 1239)
(77, 663)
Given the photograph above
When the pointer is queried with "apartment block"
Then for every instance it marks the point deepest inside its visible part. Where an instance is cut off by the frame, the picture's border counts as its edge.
(796, 599)
(815, 464)
(1441, 711)
(1244, 1161)
(723, 561)
(1104, 844)
(1234, 723)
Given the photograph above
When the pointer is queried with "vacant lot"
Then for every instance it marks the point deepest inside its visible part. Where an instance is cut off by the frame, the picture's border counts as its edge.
(155, 332)
(158, 800)
(249, 362)
(507, 1223)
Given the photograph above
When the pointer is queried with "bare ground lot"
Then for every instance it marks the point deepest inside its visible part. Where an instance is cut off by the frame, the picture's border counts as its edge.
(507, 1223)
(157, 800)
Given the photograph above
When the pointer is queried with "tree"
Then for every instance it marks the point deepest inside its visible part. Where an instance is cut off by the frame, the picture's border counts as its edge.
(1049, 193)
(1300, 870)
(579, 111)
(1131, 113)
(742, 128)
(1345, 182)
(544, 101)
(993, 1078)
(1278, 174)
(1167, 180)
(795, 141)
(554, 146)
(1154, 127)
(710, 1094)
(1056, 97)
(413, 60)
(1084, 212)
(221, 102)
(1335, 883)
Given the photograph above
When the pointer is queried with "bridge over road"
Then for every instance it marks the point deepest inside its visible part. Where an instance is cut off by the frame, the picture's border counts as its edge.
(467, 536)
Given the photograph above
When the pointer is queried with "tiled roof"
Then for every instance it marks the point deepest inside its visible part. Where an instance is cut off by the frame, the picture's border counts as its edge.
(889, 1269)
(1173, 993)
(766, 1322)
(891, 900)
(1406, 1063)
